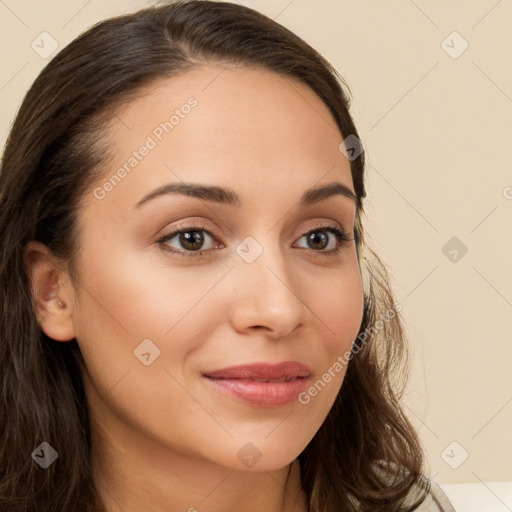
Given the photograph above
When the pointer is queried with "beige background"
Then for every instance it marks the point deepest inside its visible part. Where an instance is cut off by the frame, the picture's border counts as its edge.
(437, 133)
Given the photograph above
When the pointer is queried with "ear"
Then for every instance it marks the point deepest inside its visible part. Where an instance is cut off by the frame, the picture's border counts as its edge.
(52, 292)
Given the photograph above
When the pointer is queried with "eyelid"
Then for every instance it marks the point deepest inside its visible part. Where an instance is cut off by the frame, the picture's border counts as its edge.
(324, 224)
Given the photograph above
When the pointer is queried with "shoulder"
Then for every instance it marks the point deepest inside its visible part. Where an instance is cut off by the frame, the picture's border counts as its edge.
(436, 501)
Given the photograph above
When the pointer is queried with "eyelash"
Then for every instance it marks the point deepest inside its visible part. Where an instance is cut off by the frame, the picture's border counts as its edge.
(340, 235)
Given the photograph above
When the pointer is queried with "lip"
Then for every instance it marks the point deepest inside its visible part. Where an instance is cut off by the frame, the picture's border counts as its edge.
(268, 371)
(249, 383)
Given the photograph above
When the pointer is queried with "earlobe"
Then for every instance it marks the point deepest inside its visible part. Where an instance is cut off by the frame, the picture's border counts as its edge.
(51, 291)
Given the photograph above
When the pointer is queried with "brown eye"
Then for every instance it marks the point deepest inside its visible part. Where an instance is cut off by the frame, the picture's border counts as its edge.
(187, 241)
(318, 239)
(190, 240)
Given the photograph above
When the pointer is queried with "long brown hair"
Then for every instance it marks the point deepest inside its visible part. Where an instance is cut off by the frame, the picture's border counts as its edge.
(53, 155)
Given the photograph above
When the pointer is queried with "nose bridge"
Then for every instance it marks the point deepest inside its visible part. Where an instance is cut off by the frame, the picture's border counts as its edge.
(267, 288)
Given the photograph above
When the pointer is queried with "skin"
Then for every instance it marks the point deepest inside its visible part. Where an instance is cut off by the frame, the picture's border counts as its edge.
(162, 436)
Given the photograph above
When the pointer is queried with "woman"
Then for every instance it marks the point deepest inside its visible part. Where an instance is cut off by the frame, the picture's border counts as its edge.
(191, 319)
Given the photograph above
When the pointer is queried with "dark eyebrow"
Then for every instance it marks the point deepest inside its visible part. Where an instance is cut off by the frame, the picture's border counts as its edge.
(231, 198)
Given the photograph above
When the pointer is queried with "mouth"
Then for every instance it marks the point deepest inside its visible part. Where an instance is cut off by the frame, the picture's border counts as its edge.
(262, 384)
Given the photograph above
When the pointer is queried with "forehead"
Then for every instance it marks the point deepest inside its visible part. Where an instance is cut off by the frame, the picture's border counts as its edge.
(247, 127)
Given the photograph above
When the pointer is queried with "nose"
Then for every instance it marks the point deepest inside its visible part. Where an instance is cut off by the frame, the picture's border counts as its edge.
(267, 295)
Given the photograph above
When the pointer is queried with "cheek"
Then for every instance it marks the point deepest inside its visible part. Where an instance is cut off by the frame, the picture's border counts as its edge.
(338, 307)
(340, 311)
(127, 300)
(136, 326)
(134, 293)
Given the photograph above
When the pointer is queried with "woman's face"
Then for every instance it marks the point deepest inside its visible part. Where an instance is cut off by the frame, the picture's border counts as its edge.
(243, 284)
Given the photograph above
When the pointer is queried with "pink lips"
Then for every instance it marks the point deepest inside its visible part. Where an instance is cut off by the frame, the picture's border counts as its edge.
(262, 384)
